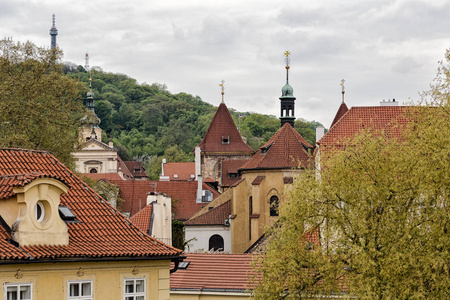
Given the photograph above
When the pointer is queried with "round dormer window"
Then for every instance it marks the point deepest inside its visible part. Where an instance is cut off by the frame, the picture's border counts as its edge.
(39, 211)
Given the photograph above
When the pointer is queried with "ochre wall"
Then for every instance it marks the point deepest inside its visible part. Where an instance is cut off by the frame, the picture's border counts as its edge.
(50, 279)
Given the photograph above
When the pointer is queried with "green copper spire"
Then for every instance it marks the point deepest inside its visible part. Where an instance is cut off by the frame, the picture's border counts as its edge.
(287, 97)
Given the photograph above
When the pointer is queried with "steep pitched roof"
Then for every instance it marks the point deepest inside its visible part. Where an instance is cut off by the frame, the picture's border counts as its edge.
(223, 126)
(215, 216)
(123, 167)
(391, 119)
(182, 170)
(285, 149)
(142, 218)
(214, 272)
(183, 194)
(102, 231)
(136, 169)
(341, 111)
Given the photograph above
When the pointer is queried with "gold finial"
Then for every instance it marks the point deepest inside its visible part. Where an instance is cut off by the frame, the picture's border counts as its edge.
(223, 88)
(287, 59)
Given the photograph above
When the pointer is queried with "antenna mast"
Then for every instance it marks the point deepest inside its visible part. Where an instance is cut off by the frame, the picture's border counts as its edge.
(53, 33)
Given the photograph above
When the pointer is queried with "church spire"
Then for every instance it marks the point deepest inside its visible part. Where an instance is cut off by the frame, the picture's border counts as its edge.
(53, 33)
(287, 97)
(94, 120)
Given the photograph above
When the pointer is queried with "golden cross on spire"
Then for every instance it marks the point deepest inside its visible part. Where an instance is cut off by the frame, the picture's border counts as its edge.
(287, 59)
(223, 88)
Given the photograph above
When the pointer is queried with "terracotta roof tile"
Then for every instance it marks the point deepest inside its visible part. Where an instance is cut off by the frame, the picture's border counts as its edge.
(142, 218)
(123, 167)
(391, 119)
(231, 166)
(258, 180)
(341, 111)
(285, 149)
(214, 272)
(223, 126)
(183, 170)
(183, 194)
(215, 216)
(104, 176)
(136, 169)
(102, 231)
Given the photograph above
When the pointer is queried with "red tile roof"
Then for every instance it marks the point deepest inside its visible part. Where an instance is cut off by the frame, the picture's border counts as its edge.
(142, 218)
(230, 166)
(183, 170)
(285, 149)
(215, 216)
(132, 166)
(258, 180)
(123, 167)
(223, 126)
(102, 231)
(341, 111)
(214, 272)
(390, 119)
(104, 176)
(183, 194)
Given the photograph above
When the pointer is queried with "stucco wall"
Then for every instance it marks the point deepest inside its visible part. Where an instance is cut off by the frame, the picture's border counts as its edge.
(202, 235)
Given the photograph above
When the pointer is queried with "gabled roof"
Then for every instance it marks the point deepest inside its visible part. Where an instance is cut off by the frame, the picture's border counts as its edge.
(183, 170)
(136, 169)
(230, 166)
(101, 232)
(223, 126)
(183, 194)
(215, 216)
(142, 218)
(341, 111)
(285, 149)
(96, 145)
(214, 272)
(390, 119)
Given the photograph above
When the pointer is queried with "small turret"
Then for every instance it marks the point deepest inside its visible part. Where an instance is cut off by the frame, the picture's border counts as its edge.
(287, 99)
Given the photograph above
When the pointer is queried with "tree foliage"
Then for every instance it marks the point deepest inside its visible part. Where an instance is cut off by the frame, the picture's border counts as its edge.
(383, 212)
(40, 107)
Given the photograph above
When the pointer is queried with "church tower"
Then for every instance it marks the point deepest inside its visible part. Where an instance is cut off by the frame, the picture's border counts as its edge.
(53, 33)
(287, 99)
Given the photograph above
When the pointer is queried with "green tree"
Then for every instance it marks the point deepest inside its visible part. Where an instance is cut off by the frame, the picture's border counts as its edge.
(40, 107)
(383, 212)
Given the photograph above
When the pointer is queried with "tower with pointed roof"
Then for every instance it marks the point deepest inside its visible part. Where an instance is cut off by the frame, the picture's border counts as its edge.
(53, 33)
(222, 141)
(342, 108)
(287, 99)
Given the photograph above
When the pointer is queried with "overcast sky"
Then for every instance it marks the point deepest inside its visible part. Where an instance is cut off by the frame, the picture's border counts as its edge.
(384, 49)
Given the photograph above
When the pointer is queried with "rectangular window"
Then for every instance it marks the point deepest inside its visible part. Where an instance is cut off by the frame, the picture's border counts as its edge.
(134, 289)
(18, 291)
(79, 290)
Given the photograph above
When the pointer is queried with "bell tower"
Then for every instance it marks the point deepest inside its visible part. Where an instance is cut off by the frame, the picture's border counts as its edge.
(287, 99)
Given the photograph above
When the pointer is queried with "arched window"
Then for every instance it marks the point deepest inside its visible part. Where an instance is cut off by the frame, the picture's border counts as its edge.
(216, 243)
(274, 206)
(93, 170)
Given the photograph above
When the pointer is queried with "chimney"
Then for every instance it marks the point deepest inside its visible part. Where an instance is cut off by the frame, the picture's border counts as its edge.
(198, 163)
(199, 189)
(388, 102)
(320, 131)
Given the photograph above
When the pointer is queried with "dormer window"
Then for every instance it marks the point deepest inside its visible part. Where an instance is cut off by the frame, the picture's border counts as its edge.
(39, 211)
(225, 139)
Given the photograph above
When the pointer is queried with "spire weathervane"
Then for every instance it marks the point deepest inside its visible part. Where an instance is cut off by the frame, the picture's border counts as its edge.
(343, 89)
(223, 88)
